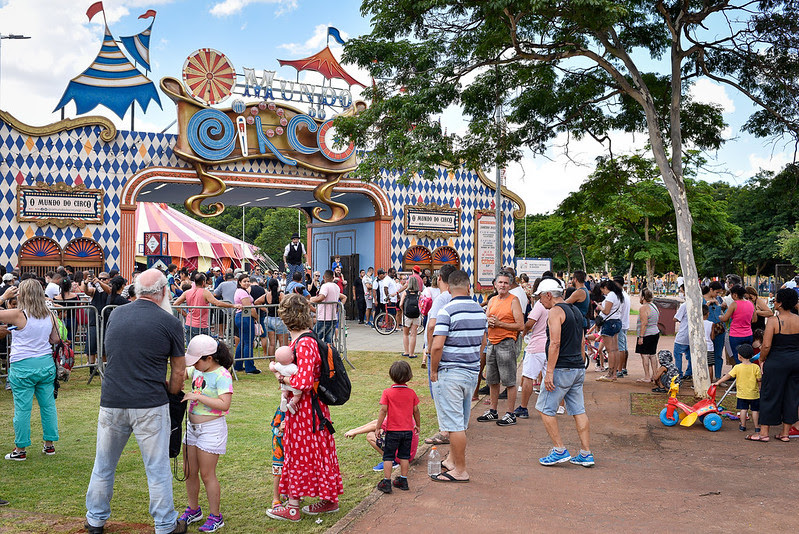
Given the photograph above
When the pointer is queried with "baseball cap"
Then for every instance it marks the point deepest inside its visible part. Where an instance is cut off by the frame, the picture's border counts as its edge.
(199, 346)
(8, 277)
(417, 269)
(548, 285)
(381, 271)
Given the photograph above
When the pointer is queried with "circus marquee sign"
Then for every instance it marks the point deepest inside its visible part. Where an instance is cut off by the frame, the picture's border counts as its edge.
(60, 205)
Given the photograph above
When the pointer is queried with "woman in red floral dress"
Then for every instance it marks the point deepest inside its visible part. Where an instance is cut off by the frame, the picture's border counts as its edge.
(310, 468)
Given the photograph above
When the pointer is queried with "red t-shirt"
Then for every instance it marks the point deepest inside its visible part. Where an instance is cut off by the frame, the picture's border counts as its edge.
(400, 400)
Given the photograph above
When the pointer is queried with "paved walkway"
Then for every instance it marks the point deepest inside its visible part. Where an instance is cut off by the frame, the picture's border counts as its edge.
(648, 478)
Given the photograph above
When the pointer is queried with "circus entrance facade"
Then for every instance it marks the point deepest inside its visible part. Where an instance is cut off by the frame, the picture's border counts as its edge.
(75, 183)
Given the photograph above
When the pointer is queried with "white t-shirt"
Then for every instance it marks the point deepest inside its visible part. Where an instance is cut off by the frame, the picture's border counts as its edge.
(790, 284)
(393, 286)
(431, 292)
(522, 296)
(682, 316)
(709, 335)
(367, 281)
(625, 312)
(439, 302)
(680, 281)
(615, 306)
(52, 290)
(328, 312)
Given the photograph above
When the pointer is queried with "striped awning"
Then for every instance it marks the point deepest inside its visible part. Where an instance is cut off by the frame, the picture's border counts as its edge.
(189, 238)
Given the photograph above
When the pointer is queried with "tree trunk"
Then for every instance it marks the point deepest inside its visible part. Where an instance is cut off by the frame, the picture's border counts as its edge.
(630, 271)
(582, 256)
(671, 172)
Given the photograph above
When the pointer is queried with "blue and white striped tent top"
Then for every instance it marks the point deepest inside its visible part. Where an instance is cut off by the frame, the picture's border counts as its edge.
(138, 46)
(111, 80)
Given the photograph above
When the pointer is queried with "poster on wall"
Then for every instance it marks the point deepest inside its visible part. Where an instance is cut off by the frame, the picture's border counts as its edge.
(59, 204)
(485, 239)
(533, 267)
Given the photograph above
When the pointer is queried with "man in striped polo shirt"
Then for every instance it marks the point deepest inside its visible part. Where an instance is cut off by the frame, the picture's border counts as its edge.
(458, 340)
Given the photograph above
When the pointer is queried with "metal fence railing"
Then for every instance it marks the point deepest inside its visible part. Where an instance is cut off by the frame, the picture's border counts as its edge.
(86, 331)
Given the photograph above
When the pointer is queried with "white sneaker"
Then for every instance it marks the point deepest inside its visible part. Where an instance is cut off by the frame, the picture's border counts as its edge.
(561, 410)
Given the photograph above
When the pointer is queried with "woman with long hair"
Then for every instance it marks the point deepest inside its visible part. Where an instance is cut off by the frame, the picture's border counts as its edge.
(779, 391)
(610, 311)
(761, 308)
(310, 465)
(742, 313)
(648, 335)
(410, 326)
(32, 370)
(276, 331)
(66, 298)
(245, 324)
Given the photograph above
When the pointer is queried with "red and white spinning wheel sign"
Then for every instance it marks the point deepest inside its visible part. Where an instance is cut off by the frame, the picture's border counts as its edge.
(209, 75)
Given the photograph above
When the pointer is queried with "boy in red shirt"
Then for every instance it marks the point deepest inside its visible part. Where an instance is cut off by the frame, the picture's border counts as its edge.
(399, 406)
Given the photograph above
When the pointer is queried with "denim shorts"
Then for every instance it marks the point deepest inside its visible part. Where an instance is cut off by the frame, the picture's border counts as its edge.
(568, 387)
(210, 436)
(275, 324)
(622, 341)
(453, 398)
(611, 327)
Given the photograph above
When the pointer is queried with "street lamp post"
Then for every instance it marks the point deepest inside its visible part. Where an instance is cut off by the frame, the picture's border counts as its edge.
(9, 36)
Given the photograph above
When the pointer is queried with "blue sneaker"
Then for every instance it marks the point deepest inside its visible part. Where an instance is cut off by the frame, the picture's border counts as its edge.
(214, 523)
(521, 413)
(585, 460)
(191, 516)
(379, 467)
(555, 457)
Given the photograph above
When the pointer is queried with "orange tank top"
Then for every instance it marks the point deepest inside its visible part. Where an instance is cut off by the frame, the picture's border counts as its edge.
(502, 309)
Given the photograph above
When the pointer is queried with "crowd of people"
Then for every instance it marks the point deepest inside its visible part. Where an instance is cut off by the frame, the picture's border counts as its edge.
(554, 323)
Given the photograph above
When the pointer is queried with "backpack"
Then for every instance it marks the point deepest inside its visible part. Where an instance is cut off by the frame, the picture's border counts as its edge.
(425, 303)
(334, 386)
(411, 308)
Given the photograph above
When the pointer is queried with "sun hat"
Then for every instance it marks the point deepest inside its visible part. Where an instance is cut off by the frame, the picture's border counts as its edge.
(548, 285)
(417, 269)
(199, 346)
(8, 277)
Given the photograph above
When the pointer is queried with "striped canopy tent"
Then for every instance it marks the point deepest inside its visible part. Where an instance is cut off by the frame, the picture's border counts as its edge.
(192, 244)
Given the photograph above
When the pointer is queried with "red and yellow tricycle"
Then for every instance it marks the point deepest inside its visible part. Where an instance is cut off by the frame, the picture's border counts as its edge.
(705, 410)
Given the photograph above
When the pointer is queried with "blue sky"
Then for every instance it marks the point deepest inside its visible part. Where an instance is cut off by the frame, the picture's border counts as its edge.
(255, 33)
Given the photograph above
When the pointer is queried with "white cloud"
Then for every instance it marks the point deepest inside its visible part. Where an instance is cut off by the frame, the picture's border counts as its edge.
(544, 181)
(231, 7)
(315, 43)
(709, 92)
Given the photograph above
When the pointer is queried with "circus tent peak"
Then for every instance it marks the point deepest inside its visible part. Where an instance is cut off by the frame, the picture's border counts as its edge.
(324, 63)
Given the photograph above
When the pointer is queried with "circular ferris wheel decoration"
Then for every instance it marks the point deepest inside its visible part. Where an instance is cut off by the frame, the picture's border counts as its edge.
(209, 75)
(326, 138)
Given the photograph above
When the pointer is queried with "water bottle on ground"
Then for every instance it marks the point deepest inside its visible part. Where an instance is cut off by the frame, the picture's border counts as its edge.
(434, 462)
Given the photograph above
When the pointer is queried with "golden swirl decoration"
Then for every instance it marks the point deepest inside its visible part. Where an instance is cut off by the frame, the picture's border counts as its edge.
(322, 193)
(517, 214)
(108, 133)
(213, 186)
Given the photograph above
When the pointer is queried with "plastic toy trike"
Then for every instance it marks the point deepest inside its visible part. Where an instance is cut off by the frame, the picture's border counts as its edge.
(705, 410)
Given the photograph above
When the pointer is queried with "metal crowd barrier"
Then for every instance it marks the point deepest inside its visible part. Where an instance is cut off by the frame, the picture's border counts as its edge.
(87, 339)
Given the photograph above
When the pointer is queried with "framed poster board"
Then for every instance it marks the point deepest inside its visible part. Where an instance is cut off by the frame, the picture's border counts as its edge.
(485, 239)
(59, 204)
(533, 267)
(432, 221)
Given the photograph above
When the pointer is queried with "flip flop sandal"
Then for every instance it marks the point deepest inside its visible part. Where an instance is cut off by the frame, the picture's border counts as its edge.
(784, 439)
(437, 439)
(446, 477)
(756, 437)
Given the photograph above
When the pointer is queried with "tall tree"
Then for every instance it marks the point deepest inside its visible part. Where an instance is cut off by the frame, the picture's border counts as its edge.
(576, 67)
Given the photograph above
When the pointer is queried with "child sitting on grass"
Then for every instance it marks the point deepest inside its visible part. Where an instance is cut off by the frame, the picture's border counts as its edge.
(369, 429)
(748, 376)
(399, 407)
(667, 370)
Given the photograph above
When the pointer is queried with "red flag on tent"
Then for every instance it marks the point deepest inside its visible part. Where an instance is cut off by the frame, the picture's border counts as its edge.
(94, 9)
(150, 13)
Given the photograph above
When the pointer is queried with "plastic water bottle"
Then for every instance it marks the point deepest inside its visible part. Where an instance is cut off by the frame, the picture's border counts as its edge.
(434, 463)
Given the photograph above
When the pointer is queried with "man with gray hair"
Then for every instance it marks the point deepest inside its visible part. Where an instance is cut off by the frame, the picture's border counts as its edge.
(565, 375)
(141, 338)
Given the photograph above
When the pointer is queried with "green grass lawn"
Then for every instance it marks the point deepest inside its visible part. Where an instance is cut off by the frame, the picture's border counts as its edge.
(57, 484)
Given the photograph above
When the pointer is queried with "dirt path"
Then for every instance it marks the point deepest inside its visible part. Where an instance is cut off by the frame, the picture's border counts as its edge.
(648, 478)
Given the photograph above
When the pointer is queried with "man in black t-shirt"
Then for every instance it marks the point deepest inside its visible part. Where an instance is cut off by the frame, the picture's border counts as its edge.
(141, 339)
(565, 374)
(360, 298)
